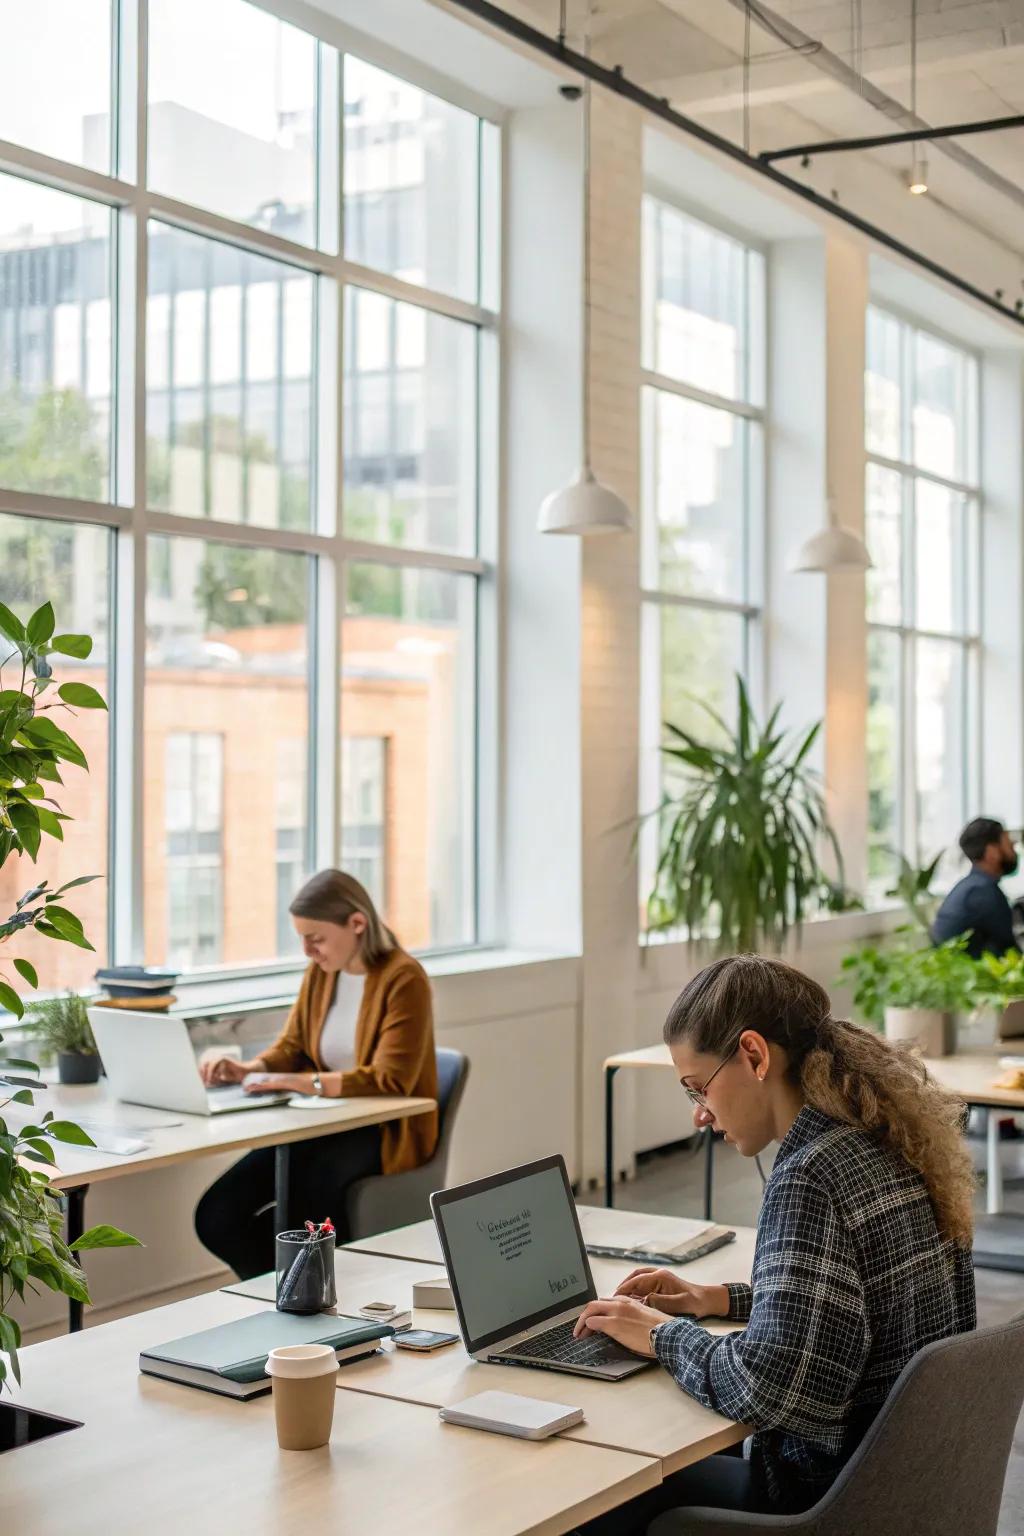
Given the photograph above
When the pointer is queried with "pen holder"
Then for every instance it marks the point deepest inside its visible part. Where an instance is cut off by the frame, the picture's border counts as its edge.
(305, 1272)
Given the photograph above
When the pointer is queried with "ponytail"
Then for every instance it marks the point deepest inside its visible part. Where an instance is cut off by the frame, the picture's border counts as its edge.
(846, 1072)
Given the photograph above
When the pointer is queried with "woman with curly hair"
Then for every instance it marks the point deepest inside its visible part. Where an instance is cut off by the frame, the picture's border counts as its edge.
(863, 1250)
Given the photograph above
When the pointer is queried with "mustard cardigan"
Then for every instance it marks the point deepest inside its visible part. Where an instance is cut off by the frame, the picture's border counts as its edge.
(394, 1050)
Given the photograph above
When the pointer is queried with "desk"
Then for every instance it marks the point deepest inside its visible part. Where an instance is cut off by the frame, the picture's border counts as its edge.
(177, 1138)
(165, 1458)
(645, 1414)
(650, 1058)
(361, 1277)
(419, 1242)
(971, 1076)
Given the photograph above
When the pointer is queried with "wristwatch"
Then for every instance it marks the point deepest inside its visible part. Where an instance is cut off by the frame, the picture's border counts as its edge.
(654, 1347)
(318, 1086)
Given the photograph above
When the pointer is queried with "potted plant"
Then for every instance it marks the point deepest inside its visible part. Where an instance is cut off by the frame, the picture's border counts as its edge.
(61, 1024)
(996, 1004)
(740, 843)
(34, 752)
(911, 991)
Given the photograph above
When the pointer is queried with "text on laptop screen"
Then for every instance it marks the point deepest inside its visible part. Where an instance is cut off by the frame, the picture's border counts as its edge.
(514, 1252)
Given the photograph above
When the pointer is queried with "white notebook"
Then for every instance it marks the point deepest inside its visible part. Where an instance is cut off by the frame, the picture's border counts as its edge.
(506, 1413)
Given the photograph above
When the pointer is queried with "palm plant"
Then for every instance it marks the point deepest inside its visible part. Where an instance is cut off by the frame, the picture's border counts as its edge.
(739, 846)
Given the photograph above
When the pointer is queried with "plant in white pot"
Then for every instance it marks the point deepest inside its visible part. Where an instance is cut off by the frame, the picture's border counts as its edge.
(34, 753)
(912, 991)
(996, 1005)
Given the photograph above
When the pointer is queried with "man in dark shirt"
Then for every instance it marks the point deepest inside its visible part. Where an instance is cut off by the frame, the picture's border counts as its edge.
(976, 905)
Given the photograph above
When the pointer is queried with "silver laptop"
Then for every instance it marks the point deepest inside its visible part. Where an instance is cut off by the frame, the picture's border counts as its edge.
(520, 1275)
(148, 1058)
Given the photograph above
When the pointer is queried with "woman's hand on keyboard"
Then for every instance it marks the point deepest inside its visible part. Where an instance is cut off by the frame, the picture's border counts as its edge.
(628, 1322)
(663, 1290)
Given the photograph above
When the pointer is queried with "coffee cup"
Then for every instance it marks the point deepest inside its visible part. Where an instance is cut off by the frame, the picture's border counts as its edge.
(304, 1378)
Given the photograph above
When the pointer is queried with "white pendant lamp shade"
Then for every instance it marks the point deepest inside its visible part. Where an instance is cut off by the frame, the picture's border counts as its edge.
(585, 507)
(833, 551)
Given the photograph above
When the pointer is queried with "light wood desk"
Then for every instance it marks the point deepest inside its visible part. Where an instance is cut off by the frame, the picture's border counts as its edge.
(645, 1414)
(362, 1277)
(177, 1138)
(972, 1076)
(419, 1242)
(156, 1456)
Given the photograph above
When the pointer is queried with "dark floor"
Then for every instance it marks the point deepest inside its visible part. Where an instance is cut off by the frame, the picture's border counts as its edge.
(671, 1183)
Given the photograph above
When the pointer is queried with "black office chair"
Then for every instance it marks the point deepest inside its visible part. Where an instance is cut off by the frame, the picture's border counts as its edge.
(933, 1462)
(391, 1200)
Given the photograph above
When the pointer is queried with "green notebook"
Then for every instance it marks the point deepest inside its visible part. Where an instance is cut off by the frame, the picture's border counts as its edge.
(232, 1359)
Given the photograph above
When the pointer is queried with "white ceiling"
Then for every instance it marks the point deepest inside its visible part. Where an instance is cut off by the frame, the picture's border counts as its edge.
(806, 84)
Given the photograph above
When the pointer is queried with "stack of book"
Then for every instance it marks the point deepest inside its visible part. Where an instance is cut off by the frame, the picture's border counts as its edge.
(136, 986)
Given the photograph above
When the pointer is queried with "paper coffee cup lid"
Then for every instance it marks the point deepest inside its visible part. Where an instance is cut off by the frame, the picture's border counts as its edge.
(301, 1360)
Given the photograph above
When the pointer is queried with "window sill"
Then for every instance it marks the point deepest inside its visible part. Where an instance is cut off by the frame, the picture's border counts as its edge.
(213, 996)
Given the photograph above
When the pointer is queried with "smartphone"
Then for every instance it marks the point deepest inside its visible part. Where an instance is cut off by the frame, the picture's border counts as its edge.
(424, 1338)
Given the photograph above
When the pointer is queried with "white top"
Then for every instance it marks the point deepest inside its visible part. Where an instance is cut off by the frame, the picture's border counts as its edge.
(338, 1041)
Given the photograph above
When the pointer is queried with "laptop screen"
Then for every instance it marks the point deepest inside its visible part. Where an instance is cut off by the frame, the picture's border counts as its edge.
(514, 1251)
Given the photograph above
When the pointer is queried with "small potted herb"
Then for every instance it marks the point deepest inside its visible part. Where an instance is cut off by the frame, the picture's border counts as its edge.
(996, 1004)
(912, 991)
(61, 1024)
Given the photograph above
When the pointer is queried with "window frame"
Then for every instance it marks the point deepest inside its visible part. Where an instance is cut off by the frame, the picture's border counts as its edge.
(133, 205)
(907, 635)
(751, 407)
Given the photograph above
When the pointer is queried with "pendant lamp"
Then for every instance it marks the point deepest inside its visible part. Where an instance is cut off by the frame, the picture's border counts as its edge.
(833, 551)
(585, 507)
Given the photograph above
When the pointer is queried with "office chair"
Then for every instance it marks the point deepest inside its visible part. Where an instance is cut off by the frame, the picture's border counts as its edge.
(394, 1200)
(932, 1463)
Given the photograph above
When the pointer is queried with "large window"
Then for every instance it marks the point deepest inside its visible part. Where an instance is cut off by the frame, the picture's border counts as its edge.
(923, 530)
(247, 462)
(702, 424)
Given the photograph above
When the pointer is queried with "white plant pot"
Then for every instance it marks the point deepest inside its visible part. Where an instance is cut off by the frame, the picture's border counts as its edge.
(929, 1029)
(977, 1030)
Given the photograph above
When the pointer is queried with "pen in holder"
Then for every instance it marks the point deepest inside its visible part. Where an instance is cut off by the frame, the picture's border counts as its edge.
(305, 1269)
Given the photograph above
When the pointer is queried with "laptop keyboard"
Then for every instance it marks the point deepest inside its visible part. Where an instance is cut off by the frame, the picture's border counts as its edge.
(557, 1346)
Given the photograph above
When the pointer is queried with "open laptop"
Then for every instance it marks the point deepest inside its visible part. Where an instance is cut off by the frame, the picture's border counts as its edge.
(520, 1275)
(148, 1058)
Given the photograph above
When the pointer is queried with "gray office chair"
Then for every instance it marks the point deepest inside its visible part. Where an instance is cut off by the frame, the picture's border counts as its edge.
(933, 1462)
(394, 1200)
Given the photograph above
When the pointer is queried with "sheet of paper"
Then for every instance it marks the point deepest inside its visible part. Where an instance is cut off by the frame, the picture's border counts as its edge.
(638, 1229)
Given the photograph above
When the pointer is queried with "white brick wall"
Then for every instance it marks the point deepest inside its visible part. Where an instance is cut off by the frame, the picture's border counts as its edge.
(610, 662)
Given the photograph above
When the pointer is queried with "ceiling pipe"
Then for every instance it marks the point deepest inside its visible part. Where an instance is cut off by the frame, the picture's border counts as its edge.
(882, 140)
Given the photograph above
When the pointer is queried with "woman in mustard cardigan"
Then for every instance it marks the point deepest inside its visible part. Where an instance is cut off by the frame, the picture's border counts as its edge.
(362, 1024)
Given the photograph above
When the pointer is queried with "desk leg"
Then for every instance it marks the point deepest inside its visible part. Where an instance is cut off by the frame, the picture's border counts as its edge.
(709, 1168)
(994, 1181)
(282, 1201)
(609, 1132)
(75, 1226)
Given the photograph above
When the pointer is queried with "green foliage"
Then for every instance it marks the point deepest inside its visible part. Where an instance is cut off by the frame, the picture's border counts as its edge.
(999, 979)
(61, 1023)
(907, 974)
(740, 844)
(48, 445)
(237, 588)
(914, 888)
(33, 752)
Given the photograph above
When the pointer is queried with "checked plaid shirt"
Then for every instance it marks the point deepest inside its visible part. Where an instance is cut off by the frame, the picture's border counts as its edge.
(850, 1280)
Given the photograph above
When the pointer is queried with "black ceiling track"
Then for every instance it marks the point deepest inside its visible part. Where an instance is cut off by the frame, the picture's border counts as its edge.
(659, 106)
(883, 140)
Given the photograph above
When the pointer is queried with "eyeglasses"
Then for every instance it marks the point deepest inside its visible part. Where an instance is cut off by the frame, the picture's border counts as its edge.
(696, 1095)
